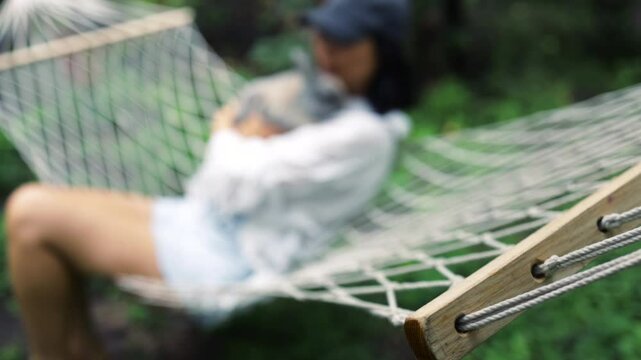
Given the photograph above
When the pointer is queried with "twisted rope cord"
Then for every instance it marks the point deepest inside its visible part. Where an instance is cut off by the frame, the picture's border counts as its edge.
(532, 298)
(555, 262)
(529, 299)
(613, 221)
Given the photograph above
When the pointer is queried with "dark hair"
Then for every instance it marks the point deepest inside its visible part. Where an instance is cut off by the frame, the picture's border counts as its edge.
(392, 87)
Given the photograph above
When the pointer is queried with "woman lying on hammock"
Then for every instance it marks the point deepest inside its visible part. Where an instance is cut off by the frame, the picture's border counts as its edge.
(263, 200)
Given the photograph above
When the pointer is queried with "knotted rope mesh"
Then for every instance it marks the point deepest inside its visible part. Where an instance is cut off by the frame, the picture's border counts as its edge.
(124, 106)
(123, 102)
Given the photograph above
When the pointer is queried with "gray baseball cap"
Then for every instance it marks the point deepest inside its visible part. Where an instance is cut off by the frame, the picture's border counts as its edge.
(348, 21)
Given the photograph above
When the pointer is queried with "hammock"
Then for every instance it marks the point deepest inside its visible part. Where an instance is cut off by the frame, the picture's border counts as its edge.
(118, 96)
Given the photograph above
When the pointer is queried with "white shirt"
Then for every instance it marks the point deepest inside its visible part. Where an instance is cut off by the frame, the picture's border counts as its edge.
(297, 190)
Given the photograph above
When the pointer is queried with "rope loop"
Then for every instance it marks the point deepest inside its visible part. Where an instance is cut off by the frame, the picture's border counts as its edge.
(609, 222)
(615, 220)
(513, 305)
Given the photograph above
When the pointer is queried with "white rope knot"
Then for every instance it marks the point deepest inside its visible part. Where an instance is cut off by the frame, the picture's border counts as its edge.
(535, 212)
(610, 221)
(614, 220)
(550, 265)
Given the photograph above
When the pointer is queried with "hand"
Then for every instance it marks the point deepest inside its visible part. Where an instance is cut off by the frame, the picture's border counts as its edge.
(255, 126)
(224, 117)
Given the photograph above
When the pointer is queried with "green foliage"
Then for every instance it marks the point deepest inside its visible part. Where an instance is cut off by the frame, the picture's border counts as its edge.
(499, 60)
(140, 314)
(443, 108)
(287, 329)
(4, 275)
(12, 169)
(273, 54)
(11, 352)
(451, 104)
(596, 322)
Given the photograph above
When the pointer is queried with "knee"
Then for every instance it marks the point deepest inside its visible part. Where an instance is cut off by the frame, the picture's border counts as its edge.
(23, 213)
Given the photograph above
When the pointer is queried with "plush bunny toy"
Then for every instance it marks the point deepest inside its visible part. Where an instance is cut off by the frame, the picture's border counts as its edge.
(293, 98)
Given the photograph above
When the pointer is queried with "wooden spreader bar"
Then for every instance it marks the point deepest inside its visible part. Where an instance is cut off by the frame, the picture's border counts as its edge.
(431, 329)
(98, 38)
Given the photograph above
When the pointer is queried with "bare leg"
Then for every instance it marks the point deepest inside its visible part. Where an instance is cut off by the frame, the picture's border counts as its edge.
(55, 236)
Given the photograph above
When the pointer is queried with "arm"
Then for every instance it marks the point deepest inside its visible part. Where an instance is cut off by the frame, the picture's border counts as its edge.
(253, 126)
(241, 172)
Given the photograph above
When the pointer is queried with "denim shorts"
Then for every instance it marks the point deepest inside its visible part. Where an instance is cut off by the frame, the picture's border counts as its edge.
(195, 245)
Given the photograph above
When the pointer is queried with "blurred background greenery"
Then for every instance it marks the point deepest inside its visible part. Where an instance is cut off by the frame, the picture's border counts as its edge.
(477, 62)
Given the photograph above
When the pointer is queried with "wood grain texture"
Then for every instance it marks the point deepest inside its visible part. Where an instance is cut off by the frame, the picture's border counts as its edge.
(430, 330)
(98, 38)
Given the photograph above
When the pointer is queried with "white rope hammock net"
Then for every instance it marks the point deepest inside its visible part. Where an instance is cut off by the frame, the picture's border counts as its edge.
(123, 102)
